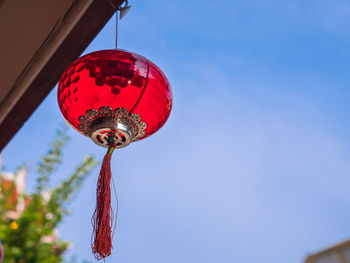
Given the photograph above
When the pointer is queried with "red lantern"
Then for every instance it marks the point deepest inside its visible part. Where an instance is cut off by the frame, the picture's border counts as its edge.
(114, 97)
(103, 86)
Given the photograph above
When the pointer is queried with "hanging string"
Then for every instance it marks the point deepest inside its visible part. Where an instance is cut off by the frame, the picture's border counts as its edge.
(116, 28)
(120, 11)
(117, 9)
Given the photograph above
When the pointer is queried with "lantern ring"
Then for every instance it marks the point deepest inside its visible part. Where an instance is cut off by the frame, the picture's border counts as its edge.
(101, 124)
(122, 136)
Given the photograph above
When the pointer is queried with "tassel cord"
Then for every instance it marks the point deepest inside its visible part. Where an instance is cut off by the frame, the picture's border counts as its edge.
(103, 219)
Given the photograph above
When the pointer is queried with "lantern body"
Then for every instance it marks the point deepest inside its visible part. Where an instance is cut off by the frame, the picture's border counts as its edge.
(94, 86)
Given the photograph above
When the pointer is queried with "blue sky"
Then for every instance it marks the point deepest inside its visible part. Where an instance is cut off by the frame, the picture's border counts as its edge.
(253, 164)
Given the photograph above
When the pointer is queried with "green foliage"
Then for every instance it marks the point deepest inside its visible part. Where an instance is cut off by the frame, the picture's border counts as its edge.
(29, 236)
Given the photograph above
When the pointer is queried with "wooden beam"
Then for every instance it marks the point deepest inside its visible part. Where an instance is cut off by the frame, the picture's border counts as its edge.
(336, 249)
(91, 22)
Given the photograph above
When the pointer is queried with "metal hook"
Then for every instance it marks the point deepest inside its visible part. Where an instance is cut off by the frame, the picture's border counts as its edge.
(125, 9)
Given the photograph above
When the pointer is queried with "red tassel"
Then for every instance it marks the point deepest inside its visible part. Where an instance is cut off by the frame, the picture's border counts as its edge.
(102, 219)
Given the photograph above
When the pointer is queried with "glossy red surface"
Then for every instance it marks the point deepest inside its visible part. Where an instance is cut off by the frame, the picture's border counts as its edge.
(115, 79)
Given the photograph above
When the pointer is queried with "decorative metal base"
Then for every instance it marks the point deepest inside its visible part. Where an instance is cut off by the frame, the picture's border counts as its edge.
(106, 126)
